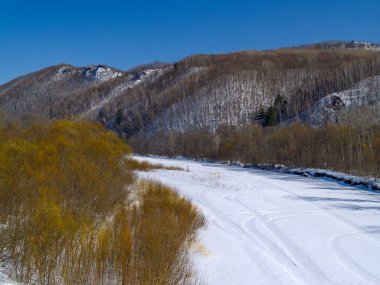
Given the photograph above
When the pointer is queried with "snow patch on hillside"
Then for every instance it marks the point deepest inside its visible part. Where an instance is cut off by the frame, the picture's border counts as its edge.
(329, 108)
(131, 81)
(63, 72)
(92, 72)
(364, 45)
(100, 72)
(6, 280)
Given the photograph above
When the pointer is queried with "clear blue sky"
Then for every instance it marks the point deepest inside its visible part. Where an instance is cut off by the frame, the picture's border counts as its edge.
(36, 34)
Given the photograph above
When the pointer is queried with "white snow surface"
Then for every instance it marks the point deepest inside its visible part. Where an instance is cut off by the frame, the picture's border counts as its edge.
(5, 280)
(100, 72)
(269, 227)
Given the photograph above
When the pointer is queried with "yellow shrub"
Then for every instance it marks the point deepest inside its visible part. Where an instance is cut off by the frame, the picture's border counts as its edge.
(65, 216)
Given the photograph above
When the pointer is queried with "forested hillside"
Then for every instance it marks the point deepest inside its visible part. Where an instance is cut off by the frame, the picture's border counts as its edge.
(319, 84)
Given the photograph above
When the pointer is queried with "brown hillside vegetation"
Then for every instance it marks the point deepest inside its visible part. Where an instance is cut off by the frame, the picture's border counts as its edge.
(200, 90)
(68, 216)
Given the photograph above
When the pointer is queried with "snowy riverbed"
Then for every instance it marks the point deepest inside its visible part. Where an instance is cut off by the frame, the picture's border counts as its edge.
(273, 228)
(269, 227)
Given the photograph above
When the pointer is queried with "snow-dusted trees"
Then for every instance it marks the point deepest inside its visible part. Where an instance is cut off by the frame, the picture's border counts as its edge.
(208, 91)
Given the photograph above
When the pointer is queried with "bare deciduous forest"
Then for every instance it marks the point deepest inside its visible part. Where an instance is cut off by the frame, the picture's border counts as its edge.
(347, 148)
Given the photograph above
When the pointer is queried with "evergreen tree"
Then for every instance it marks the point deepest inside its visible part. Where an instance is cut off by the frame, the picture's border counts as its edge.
(271, 117)
(261, 117)
(119, 117)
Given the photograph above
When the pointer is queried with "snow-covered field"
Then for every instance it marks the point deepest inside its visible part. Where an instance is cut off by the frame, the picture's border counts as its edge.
(274, 228)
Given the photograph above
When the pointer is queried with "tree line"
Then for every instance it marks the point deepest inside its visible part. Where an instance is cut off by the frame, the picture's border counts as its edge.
(348, 148)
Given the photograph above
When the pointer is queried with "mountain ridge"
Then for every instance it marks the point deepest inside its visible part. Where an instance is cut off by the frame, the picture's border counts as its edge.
(199, 90)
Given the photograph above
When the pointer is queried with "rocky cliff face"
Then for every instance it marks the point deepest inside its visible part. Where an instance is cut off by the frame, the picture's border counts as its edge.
(334, 107)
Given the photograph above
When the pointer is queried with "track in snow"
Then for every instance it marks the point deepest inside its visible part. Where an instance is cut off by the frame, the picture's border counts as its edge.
(272, 228)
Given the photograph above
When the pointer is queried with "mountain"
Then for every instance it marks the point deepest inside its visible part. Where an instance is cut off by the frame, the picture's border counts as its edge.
(319, 84)
(343, 45)
(66, 91)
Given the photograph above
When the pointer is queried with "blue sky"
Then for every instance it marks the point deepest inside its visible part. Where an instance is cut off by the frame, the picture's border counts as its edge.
(36, 34)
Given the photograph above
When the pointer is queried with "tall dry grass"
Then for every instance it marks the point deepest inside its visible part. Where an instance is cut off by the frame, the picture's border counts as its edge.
(134, 164)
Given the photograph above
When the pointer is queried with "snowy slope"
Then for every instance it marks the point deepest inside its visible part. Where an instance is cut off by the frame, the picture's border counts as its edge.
(130, 81)
(233, 99)
(329, 108)
(274, 228)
